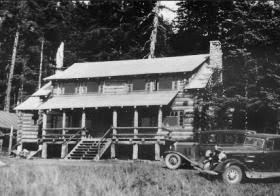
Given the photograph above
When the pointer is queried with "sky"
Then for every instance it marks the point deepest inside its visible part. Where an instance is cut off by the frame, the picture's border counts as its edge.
(168, 15)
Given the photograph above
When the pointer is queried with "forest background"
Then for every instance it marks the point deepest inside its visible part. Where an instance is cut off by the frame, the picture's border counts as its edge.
(121, 29)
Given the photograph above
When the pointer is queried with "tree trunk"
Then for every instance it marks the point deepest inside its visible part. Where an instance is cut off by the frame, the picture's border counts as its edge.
(41, 64)
(153, 37)
(11, 74)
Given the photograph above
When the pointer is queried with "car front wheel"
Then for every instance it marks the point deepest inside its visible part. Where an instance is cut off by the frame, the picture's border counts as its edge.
(232, 175)
(173, 161)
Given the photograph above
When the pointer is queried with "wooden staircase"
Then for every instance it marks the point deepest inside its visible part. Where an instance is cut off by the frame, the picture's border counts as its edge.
(89, 149)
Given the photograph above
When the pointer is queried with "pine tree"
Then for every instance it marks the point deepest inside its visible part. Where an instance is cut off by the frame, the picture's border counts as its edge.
(248, 32)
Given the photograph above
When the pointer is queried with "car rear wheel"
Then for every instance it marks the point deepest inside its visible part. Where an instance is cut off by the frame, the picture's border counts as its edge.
(232, 175)
(173, 161)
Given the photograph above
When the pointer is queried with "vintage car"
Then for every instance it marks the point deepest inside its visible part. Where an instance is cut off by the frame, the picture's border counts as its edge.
(257, 157)
(182, 152)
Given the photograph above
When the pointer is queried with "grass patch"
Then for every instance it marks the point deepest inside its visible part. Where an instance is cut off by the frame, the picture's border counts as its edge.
(53, 177)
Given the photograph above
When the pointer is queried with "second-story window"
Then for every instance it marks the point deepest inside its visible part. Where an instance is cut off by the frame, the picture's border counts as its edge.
(92, 87)
(69, 88)
(165, 83)
(139, 84)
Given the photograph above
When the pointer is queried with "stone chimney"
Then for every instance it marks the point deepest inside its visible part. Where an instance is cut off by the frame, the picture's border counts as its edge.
(216, 61)
(216, 54)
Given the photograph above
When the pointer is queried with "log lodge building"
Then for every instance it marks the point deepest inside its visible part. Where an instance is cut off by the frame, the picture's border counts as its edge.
(94, 110)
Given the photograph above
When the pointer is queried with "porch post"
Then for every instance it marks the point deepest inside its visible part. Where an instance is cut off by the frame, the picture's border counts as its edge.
(115, 124)
(135, 145)
(83, 124)
(159, 119)
(157, 145)
(64, 146)
(157, 151)
(44, 145)
(19, 131)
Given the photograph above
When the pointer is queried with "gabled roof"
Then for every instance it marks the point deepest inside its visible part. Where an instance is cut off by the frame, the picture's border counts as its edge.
(31, 103)
(201, 78)
(110, 100)
(131, 67)
(8, 120)
(44, 91)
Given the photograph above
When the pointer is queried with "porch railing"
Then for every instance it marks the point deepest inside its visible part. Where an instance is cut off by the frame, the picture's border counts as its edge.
(64, 134)
(113, 133)
(141, 133)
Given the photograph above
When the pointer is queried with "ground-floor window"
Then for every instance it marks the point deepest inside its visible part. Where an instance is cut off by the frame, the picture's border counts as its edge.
(175, 118)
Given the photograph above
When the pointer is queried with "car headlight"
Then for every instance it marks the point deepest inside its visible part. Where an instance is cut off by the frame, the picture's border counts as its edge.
(208, 153)
(222, 156)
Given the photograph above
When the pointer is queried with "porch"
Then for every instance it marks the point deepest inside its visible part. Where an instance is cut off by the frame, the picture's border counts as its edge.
(93, 131)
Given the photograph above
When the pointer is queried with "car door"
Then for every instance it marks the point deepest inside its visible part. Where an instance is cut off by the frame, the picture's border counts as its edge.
(272, 155)
(252, 153)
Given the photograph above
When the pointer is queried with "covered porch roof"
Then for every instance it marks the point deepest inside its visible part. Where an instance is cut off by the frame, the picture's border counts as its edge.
(117, 100)
(8, 120)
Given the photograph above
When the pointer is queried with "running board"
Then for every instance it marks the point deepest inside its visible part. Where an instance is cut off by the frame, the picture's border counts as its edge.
(261, 175)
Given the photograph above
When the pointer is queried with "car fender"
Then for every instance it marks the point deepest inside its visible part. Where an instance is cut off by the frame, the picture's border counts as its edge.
(186, 158)
(225, 164)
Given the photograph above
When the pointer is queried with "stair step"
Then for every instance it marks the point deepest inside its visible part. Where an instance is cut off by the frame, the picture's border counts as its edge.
(76, 157)
(78, 153)
(82, 151)
(91, 153)
(89, 158)
(87, 150)
(84, 147)
(92, 150)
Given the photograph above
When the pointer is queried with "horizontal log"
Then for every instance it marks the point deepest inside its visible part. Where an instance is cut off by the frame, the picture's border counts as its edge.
(60, 142)
(66, 128)
(29, 140)
(31, 133)
(140, 142)
(60, 135)
(147, 134)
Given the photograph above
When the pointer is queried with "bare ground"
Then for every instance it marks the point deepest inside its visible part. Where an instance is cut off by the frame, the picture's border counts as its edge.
(111, 177)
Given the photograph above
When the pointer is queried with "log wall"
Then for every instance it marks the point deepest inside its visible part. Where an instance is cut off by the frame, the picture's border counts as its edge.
(28, 129)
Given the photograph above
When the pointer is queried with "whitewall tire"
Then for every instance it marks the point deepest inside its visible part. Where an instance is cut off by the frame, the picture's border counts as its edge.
(173, 161)
(232, 175)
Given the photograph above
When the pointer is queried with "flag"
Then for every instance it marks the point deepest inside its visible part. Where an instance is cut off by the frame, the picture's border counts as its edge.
(59, 56)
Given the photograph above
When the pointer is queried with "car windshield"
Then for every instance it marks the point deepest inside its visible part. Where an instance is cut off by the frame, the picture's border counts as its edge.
(254, 141)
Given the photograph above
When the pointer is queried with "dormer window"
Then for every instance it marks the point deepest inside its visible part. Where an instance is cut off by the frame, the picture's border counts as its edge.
(139, 84)
(69, 88)
(165, 83)
(92, 87)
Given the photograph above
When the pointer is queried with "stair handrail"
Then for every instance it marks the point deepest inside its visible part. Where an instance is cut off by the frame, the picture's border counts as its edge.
(16, 144)
(74, 135)
(103, 139)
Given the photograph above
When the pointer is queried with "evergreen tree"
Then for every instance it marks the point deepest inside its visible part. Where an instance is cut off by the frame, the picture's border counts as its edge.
(249, 33)
(98, 31)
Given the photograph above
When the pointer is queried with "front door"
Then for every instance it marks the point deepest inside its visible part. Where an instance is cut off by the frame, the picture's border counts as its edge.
(272, 155)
